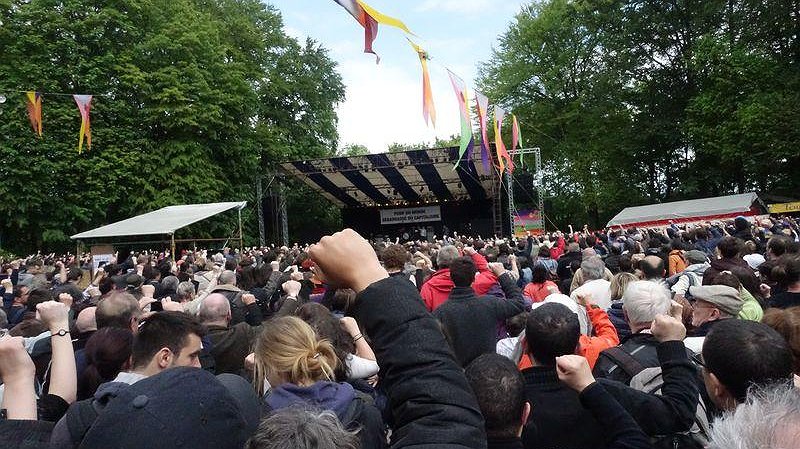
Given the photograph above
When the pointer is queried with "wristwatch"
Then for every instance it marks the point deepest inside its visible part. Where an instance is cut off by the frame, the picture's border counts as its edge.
(60, 333)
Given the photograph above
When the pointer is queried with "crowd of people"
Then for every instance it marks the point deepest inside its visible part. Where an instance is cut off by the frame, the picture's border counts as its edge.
(686, 336)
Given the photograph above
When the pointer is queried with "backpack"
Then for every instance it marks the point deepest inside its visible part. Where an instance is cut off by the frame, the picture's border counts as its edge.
(650, 381)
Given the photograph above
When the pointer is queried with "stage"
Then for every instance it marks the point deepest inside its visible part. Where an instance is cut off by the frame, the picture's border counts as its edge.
(413, 193)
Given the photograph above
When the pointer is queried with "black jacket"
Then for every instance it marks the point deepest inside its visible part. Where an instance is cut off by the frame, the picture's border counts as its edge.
(560, 420)
(470, 321)
(642, 347)
(564, 262)
(430, 400)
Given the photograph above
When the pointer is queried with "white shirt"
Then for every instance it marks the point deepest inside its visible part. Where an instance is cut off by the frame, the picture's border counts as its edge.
(600, 291)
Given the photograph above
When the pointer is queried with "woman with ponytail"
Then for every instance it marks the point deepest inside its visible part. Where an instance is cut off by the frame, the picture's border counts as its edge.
(293, 368)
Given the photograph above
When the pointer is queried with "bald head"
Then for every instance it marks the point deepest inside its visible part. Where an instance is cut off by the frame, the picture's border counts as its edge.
(117, 311)
(86, 321)
(227, 277)
(652, 267)
(215, 308)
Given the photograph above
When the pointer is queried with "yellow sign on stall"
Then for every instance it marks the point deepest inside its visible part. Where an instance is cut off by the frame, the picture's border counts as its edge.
(784, 208)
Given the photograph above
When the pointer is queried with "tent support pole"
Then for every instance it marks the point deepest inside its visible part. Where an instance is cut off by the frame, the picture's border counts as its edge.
(172, 246)
(241, 237)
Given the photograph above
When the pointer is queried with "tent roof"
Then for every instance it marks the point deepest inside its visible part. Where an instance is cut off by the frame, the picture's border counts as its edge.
(681, 210)
(405, 177)
(162, 221)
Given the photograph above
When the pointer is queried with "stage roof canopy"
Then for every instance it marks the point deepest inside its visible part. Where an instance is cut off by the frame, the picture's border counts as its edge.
(162, 221)
(682, 211)
(408, 177)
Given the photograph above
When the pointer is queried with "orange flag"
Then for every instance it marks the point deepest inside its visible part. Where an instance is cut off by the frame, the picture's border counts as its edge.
(84, 103)
(34, 104)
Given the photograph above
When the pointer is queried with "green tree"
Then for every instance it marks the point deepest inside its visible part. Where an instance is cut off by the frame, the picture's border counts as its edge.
(193, 99)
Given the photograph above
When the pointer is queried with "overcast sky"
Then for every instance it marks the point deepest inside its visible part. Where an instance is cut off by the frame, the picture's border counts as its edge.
(384, 101)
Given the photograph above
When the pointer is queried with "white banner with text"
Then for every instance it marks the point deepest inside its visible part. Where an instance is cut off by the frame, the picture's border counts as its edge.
(411, 215)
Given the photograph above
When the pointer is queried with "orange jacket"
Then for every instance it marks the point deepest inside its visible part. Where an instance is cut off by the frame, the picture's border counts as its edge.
(537, 292)
(676, 262)
(589, 347)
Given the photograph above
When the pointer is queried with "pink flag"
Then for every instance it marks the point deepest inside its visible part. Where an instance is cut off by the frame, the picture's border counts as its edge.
(84, 103)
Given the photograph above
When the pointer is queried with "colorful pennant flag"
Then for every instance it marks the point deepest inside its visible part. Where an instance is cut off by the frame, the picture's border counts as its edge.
(467, 142)
(34, 105)
(369, 18)
(516, 138)
(482, 105)
(428, 109)
(84, 103)
(502, 153)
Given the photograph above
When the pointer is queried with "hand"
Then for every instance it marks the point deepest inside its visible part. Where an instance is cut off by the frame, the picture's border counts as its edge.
(148, 290)
(468, 250)
(350, 325)
(248, 299)
(275, 265)
(497, 268)
(766, 290)
(15, 363)
(54, 315)
(7, 284)
(512, 259)
(676, 310)
(66, 299)
(292, 288)
(574, 371)
(584, 299)
(144, 302)
(296, 276)
(667, 328)
(347, 260)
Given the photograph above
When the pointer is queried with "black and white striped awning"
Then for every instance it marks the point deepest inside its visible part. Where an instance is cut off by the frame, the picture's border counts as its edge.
(408, 177)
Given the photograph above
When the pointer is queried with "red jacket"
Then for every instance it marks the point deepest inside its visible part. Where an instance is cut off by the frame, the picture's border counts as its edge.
(435, 290)
(558, 249)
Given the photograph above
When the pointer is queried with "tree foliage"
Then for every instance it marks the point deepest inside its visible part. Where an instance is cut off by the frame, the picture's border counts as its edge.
(645, 101)
(194, 99)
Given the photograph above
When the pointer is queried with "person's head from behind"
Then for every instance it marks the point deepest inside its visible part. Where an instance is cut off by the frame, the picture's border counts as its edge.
(227, 277)
(786, 272)
(729, 247)
(86, 320)
(446, 255)
(787, 323)
(619, 283)
(327, 326)
(395, 257)
(516, 324)
(462, 271)
(38, 296)
(770, 418)
(740, 354)
(165, 340)
(74, 274)
(552, 330)
(108, 352)
(544, 252)
(642, 302)
(215, 309)
(288, 351)
(299, 427)
(118, 310)
(652, 267)
(540, 274)
(574, 247)
(500, 390)
(592, 268)
(185, 291)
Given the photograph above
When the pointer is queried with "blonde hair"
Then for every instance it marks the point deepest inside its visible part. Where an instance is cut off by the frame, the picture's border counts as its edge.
(619, 282)
(289, 348)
